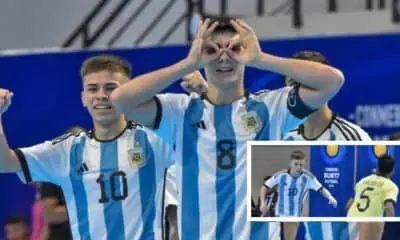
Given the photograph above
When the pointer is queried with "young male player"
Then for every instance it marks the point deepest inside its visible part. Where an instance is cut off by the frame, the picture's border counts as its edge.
(293, 185)
(324, 124)
(112, 177)
(375, 195)
(210, 132)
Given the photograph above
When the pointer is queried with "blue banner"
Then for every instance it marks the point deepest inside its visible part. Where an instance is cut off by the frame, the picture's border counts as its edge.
(367, 157)
(334, 167)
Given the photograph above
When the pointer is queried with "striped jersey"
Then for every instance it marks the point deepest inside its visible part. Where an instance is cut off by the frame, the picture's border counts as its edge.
(292, 191)
(338, 129)
(211, 154)
(113, 189)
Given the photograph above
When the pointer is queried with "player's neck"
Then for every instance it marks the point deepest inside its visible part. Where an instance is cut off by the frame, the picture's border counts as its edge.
(317, 122)
(218, 96)
(105, 133)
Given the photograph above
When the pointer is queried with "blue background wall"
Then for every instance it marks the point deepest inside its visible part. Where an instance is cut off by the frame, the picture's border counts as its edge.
(47, 90)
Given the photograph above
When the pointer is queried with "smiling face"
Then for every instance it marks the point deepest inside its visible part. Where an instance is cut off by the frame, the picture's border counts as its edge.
(225, 71)
(101, 75)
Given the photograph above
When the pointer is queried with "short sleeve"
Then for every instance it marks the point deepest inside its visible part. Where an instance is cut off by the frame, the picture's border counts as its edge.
(286, 109)
(391, 193)
(46, 162)
(162, 150)
(314, 184)
(170, 113)
(272, 181)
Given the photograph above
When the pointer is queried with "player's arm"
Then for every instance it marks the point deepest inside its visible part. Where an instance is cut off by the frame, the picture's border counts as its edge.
(8, 158)
(390, 200)
(136, 100)
(267, 188)
(349, 203)
(53, 212)
(325, 192)
(389, 208)
(321, 82)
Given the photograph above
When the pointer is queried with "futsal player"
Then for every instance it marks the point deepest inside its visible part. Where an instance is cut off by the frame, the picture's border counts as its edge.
(211, 131)
(293, 185)
(375, 195)
(324, 124)
(112, 177)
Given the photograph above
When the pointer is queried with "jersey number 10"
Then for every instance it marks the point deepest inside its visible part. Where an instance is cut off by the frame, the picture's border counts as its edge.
(114, 179)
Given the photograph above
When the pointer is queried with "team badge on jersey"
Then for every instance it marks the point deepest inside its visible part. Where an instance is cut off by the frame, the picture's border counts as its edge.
(136, 157)
(251, 122)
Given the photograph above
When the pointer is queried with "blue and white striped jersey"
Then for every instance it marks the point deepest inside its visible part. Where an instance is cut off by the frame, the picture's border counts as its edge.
(211, 154)
(338, 129)
(292, 191)
(113, 189)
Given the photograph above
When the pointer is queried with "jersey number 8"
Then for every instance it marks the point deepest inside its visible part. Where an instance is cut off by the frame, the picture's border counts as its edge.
(226, 154)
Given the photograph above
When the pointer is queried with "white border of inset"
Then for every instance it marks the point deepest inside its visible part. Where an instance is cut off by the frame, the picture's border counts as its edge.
(310, 219)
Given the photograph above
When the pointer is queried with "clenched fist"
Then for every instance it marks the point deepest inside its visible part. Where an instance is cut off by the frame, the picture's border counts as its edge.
(5, 100)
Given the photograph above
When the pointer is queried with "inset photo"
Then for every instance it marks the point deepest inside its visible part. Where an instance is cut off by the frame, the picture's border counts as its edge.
(312, 181)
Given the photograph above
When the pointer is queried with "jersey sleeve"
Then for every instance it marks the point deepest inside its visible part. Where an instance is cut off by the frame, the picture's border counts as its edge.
(314, 183)
(286, 109)
(392, 193)
(170, 113)
(272, 181)
(45, 162)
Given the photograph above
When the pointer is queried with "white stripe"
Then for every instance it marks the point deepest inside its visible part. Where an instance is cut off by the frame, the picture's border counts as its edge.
(327, 231)
(71, 208)
(274, 230)
(207, 179)
(97, 224)
(241, 227)
(132, 206)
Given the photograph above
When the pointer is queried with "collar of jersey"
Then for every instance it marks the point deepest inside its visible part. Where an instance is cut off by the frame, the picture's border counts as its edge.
(300, 130)
(245, 97)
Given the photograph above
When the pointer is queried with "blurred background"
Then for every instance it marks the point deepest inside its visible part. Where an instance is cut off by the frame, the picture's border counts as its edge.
(43, 43)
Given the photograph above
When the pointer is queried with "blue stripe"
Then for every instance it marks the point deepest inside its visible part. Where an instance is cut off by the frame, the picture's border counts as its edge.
(80, 195)
(113, 215)
(190, 163)
(225, 178)
(281, 193)
(262, 111)
(332, 136)
(259, 231)
(302, 193)
(147, 182)
(315, 230)
(293, 185)
(340, 230)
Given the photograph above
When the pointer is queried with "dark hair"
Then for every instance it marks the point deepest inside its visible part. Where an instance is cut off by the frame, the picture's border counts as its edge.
(110, 63)
(385, 164)
(13, 219)
(309, 56)
(395, 136)
(224, 24)
(297, 155)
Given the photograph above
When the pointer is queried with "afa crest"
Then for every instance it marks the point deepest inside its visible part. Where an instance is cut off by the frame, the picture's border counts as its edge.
(251, 122)
(136, 157)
